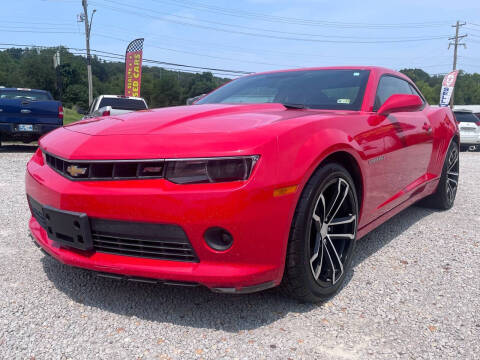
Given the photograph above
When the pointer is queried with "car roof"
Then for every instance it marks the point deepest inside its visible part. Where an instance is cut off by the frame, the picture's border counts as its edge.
(121, 97)
(376, 69)
(24, 89)
(463, 111)
(474, 108)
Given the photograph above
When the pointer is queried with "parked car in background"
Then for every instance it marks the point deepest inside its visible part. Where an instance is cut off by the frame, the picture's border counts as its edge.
(191, 101)
(473, 108)
(106, 105)
(469, 125)
(27, 114)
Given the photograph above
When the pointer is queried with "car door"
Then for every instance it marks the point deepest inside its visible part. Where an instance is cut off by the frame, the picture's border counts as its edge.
(408, 144)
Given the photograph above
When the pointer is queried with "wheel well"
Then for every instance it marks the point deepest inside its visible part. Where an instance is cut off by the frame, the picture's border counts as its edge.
(456, 138)
(350, 164)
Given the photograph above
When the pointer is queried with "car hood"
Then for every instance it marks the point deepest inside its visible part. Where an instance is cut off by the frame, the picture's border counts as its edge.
(215, 118)
(183, 131)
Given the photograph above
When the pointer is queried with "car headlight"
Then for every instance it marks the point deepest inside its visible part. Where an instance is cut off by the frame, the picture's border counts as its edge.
(210, 170)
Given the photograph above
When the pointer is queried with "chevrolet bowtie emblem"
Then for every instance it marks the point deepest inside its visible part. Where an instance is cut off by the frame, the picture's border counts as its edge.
(74, 170)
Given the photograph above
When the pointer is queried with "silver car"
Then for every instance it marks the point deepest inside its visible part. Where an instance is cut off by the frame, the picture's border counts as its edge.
(469, 125)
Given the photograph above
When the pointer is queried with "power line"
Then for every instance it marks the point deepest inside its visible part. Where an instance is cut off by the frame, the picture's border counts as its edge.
(324, 38)
(198, 54)
(238, 72)
(40, 31)
(290, 20)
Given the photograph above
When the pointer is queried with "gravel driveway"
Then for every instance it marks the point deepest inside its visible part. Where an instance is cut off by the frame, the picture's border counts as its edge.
(414, 293)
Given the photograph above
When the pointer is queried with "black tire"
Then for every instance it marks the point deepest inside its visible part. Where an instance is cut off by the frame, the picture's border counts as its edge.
(444, 197)
(313, 258)
(463, 148)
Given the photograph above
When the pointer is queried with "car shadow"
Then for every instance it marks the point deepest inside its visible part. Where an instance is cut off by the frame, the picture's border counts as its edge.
(18, 148)
(198, 307)
(384, 234)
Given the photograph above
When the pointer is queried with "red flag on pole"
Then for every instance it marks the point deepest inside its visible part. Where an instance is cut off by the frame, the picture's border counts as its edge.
(133, 68)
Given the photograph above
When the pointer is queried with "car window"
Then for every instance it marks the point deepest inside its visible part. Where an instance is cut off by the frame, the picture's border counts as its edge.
(92, 107)
(341, 89)
(466, 117)
(25, 94)
(415, 92)
(391, 85)
(123, 104)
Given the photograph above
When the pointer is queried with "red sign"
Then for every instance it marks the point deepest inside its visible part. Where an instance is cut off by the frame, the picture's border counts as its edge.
(133, 68)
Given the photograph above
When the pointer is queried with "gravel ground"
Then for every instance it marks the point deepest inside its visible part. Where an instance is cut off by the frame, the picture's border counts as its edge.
(414, 293)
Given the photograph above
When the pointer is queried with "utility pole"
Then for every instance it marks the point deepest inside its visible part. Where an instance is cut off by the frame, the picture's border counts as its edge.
(455, 49)
(88, 27)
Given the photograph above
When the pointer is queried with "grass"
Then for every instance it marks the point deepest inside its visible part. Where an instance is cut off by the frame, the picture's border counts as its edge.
(70, 115)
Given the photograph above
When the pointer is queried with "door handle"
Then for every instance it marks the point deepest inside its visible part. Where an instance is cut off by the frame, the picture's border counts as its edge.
(25, 111)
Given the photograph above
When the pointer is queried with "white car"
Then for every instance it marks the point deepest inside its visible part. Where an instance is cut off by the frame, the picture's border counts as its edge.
(106, 105)
(469, 125)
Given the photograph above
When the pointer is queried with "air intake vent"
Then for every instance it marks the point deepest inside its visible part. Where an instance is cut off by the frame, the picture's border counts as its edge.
(137, 239)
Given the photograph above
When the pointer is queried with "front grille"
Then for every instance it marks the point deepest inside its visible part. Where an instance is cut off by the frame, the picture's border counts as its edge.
(155, 241)
(136, 239)
(106, 170)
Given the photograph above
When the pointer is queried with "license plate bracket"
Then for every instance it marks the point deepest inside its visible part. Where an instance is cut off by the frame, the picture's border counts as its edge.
(68, 228)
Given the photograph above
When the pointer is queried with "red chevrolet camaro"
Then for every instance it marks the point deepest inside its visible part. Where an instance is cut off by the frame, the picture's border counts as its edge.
(268, 180)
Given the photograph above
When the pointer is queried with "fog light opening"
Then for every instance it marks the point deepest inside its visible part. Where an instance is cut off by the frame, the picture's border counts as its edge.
(218, 239)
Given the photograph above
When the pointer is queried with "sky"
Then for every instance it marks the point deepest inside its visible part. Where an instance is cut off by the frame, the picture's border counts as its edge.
(258, 35)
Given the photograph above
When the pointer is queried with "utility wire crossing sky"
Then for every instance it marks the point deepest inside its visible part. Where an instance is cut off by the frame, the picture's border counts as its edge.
(256, 35)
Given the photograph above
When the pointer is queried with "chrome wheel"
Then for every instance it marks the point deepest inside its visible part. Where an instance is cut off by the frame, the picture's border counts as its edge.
(332, 232)
(452, 174)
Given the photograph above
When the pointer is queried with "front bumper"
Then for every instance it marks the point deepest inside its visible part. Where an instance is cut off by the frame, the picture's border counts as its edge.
(258, 221)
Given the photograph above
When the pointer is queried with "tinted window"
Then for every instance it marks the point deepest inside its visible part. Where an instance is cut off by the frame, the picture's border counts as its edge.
(317, 89)
(123, 104)
(466, 117)
(388, 86)
(415, 92)
(92, 107)
(25, 94)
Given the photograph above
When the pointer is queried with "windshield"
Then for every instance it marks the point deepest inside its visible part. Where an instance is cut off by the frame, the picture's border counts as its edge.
(123, 104)
(466, 117)
(25, 94)
(316, 89)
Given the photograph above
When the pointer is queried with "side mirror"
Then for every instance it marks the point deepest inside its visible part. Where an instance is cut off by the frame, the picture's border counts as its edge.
(82, 111)
(400, 103)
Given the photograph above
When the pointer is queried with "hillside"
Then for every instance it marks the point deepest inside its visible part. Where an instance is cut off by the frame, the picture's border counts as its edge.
(33, 68)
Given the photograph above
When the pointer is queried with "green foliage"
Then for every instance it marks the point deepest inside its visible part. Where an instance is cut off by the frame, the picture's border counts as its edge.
(467, 88)
(70, 115)
(33, 68)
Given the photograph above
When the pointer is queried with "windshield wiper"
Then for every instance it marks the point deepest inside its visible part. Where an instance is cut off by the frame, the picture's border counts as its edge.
(295, 106)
